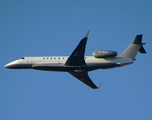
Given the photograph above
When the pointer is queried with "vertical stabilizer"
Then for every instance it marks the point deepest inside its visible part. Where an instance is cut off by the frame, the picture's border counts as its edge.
(134, 47)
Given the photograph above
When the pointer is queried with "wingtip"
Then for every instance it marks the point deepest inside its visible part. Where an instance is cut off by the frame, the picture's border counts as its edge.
(86, 36)
(99, 85)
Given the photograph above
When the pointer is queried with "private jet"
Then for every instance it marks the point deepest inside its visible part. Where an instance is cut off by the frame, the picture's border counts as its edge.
(78, 65)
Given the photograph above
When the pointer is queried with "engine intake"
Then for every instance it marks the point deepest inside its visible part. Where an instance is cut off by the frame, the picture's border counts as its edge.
(104, 54)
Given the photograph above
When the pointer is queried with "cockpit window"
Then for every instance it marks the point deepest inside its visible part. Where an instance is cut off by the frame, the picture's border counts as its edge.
(22, 58)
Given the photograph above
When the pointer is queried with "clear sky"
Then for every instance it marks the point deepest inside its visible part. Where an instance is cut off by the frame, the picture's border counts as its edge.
(54, 28)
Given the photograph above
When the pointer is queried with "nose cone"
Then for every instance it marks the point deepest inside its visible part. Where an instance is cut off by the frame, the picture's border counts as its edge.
(6, 66)
(12, 65)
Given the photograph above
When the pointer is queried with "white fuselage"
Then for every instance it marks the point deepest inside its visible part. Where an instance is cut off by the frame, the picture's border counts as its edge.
(52, 63)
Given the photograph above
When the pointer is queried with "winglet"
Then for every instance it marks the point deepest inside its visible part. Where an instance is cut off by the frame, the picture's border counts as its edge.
(86, 36)
(99, 85)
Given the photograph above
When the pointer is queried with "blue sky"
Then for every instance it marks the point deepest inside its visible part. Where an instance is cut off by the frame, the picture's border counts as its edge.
(54, 28)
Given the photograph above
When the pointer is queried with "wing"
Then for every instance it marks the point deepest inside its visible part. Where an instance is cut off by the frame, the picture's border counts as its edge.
(77, 57)
(83, 77)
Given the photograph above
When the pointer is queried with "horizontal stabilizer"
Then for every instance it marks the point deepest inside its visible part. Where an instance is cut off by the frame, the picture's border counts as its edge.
(142, 50)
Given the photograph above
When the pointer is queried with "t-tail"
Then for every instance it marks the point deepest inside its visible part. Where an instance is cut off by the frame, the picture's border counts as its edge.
(134, 47)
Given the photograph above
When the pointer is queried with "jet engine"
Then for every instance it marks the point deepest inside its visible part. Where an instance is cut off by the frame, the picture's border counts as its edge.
(104, 54)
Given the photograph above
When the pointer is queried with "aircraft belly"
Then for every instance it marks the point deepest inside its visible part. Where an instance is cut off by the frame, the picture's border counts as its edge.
(65, 68)
(56, 67)
(103, 65)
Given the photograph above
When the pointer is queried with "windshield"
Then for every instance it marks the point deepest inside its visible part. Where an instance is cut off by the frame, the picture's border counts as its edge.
(22, 58)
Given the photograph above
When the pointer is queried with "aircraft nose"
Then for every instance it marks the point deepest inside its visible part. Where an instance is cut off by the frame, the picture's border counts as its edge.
(6, 66)
(9, 65)
(12, 65)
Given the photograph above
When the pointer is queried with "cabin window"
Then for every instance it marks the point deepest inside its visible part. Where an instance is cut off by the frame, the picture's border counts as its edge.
(54, 58)
(47, 58)
(63, 57)
(50, 58)
(58, 58)
(43, 58)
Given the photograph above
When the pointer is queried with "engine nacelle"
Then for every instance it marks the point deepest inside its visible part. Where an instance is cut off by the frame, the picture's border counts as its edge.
(104, 54)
